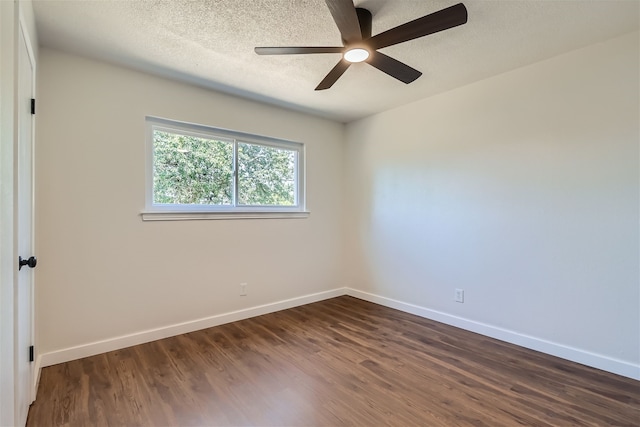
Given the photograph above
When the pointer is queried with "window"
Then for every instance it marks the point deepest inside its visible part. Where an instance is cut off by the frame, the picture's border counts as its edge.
(199, 172)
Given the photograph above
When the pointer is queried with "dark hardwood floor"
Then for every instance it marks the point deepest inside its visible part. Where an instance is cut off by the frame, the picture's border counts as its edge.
(338, 362)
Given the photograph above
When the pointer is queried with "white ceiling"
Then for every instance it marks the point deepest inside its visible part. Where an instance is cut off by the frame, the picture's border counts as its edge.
(210, 43)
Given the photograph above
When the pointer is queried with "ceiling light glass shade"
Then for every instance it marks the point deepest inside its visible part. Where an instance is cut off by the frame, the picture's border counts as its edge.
(356, 54)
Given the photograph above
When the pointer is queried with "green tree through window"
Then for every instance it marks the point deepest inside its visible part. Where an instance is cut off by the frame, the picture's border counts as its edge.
(192, 171)
(265, 175)
(195, 168)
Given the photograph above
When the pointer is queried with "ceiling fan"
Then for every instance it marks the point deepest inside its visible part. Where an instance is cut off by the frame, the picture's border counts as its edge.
(358, 44)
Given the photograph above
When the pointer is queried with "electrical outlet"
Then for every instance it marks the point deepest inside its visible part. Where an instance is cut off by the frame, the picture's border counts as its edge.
(459, 296)
(243, 289)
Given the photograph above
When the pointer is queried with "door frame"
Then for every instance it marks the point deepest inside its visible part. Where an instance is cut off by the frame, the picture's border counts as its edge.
(22, 27)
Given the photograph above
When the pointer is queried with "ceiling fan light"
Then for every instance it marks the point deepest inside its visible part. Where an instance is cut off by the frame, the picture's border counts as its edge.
(357, 54)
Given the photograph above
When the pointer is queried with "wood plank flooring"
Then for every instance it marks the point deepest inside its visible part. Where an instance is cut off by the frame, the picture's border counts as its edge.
(339, 362)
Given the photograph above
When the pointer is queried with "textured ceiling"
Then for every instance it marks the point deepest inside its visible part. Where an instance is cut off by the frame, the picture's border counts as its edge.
(210, 43)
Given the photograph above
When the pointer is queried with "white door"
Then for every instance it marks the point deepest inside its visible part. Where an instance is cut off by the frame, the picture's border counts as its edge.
(24, 218)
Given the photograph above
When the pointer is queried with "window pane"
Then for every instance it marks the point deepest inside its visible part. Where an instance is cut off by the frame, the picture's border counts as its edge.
(190, 170)
(266, 175)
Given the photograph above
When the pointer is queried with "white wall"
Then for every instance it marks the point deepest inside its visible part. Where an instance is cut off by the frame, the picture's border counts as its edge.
(8, 28)
(522, 190)
(102, 271)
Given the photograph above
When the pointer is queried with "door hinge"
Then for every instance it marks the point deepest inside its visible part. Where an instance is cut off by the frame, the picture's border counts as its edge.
(33, 106)
(31, 358)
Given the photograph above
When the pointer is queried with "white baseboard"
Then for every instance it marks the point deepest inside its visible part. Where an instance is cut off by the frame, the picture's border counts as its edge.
(103, 346)
(565, 352)
(598, 361)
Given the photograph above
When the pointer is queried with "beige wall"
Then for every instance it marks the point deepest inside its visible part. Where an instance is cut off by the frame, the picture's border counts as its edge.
(102, 271)
(523, 191)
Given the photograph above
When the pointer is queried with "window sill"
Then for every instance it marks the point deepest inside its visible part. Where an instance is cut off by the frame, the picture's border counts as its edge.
(191, 216)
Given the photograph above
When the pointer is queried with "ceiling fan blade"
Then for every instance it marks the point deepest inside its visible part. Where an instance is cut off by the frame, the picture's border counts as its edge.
(333, 75)
(429, 24)
(297, 50)
(346, 18)
(393, 67)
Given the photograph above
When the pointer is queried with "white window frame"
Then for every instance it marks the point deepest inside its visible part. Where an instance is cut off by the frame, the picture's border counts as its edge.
(167, 212)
